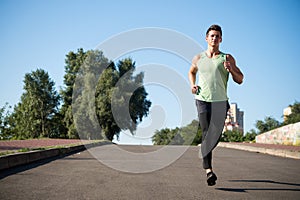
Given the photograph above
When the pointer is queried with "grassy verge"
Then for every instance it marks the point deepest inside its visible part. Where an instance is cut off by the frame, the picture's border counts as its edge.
(4, 153)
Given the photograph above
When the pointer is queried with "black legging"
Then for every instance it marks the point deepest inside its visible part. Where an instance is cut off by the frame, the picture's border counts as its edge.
(205, 110)
(204, 120)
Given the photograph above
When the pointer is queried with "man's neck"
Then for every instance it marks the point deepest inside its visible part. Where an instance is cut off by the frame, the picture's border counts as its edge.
(212, 51)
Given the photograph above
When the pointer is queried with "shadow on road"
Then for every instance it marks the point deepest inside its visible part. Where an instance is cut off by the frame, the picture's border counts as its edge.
(261, 189)
(265, 181)
(14, 170)
(21, 168)
(258, 189)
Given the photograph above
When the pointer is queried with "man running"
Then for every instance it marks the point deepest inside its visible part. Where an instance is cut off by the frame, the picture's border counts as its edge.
(213, 67)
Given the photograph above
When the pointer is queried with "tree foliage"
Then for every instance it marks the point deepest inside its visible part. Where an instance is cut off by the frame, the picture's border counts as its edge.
(121, 99)
(268, 124)
(100, 95)
(250, 136)
(5, 121)
(294, 117)
(94, 87)
(103, 94)
(33, 115)
(74, 62)
(237, 136)
(85, 95)
(190, 134)
(232, 136)
(165, 136)
(91, 73)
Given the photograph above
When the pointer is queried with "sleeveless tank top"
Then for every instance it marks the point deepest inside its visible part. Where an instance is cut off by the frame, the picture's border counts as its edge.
(212, 79)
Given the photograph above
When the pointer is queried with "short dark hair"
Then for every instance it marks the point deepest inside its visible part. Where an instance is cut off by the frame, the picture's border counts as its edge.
(215, 28)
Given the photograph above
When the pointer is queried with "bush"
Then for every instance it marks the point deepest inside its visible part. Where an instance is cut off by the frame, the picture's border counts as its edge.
(232, 136)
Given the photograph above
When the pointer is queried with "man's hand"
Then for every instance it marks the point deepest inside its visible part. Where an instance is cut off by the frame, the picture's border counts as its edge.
(194, 89)
(231, 67)
(227, 64)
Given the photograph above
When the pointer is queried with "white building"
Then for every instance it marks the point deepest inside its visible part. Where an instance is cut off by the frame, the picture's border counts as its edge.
(286, 112)
(234, 119)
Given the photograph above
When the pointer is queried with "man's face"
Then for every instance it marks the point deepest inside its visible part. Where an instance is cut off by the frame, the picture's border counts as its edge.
(214, 38)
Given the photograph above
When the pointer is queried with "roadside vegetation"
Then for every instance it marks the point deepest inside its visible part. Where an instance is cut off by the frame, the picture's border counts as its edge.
(45, 112)
(182, 136)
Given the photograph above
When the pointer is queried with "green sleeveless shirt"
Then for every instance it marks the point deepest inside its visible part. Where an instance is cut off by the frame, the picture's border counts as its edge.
(213, 78)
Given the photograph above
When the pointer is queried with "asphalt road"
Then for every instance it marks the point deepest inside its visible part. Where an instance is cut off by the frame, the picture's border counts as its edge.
(241, 175)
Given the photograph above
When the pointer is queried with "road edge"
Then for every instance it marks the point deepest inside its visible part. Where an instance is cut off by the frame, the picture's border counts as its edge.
(17, 159)
(275, 152)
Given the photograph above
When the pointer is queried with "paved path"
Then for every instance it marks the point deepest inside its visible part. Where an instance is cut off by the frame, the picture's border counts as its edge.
(242, 175)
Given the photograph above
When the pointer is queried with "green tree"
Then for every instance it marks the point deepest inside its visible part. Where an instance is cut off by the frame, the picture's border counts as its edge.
(232, 136)
(104, 92)
(121, 99)
(85, 103)
(33, 116)
(176, 139)
(268, 124)
(294, 117)
(87, 71)
(250, 136)
(5, 131)
(163, 136)
(190, 134)
(74, 61)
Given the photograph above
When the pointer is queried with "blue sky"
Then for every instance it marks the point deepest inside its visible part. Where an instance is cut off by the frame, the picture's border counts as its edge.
(262, 35)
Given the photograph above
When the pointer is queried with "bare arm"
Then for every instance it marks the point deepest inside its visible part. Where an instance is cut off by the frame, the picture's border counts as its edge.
(192, 74)
(231, 67)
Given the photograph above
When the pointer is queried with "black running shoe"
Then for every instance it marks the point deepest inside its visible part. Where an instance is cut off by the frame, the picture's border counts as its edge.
(211, 178)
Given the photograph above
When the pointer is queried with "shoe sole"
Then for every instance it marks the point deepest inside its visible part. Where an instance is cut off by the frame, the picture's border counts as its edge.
(211, 180)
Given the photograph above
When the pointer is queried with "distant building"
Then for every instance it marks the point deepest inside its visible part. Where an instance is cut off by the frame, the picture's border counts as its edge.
(286, 112)
(234, 119)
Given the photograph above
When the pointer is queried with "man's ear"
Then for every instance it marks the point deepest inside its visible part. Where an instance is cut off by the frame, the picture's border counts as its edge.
(221, 39)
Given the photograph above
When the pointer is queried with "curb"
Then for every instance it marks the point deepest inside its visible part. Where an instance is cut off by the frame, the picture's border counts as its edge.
(13, 160)
(274, 152)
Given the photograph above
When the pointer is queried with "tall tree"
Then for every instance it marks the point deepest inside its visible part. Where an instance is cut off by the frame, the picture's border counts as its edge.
(84, 95)
(121, 99)
(34, 114)
(5, 130)
(74, 61)
(90, 71)
(103, 101)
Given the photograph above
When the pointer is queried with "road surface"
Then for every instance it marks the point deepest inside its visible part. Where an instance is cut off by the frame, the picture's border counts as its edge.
(241, 175)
